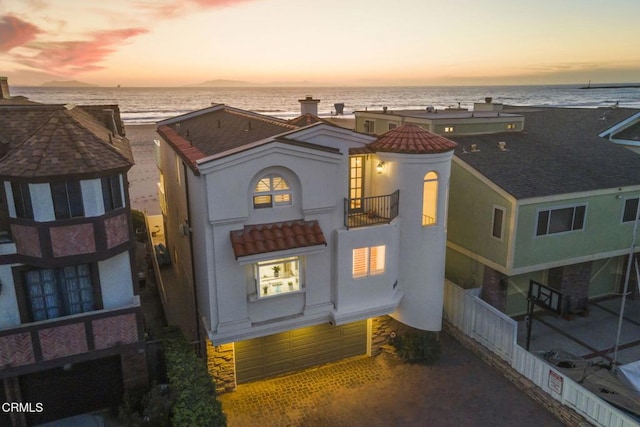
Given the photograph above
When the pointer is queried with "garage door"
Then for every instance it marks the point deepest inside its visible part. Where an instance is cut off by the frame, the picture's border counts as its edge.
(297, 349)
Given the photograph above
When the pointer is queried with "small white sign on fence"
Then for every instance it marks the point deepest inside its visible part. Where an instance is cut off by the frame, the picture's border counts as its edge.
(555, 382)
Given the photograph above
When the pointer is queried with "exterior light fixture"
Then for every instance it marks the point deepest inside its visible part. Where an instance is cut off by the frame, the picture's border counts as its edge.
(380, 167)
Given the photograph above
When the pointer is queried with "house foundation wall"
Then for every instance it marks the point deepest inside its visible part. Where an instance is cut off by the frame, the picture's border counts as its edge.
(221, 366)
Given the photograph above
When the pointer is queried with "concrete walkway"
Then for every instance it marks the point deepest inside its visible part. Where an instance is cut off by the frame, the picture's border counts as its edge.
(460, 390)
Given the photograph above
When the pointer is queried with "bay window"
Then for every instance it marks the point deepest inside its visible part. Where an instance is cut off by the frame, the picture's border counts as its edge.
(278, 276)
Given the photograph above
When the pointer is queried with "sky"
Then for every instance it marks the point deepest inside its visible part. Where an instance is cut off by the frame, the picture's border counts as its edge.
(320, 42)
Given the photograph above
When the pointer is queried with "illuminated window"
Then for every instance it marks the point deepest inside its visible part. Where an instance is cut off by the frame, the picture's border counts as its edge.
(272, 190)
(356, 181)
(511, 126)
(368, 261)
(430, 199)
(448, 129)
(276, 277)
(560, 220)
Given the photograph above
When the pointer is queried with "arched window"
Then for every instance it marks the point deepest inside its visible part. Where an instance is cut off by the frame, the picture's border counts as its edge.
(430, 199)
(271, 190)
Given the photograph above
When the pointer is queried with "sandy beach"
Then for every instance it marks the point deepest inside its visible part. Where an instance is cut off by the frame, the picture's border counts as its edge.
(144, 175)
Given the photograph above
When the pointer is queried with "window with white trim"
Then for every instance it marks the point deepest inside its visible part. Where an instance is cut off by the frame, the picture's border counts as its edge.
(270, 191)
(369, 126)
(392, 125)
(560, 220)
(630, 210)
(498, 222)
(278, 276)
(368, 261)
(448, 129)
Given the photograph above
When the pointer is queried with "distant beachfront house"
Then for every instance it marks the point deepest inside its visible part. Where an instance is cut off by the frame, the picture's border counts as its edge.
(536, 194)
(297, 239)
(71, 333)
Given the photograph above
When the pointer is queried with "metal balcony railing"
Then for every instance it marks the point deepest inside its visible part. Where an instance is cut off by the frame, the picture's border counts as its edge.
(366, 211)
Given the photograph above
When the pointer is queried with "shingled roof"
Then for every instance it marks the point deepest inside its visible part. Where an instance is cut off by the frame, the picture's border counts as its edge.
(411, 139)
(559, 152)
(218, 129)
(49, 141)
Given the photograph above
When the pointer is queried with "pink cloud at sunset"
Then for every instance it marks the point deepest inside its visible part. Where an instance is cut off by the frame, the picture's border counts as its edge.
(15, 32)
(78, 56)
(174, 9)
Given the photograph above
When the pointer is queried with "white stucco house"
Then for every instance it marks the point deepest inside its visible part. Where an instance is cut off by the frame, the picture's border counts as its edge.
(295, 238)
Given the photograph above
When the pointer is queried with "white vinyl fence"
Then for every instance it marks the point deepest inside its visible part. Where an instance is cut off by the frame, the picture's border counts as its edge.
(498, 332)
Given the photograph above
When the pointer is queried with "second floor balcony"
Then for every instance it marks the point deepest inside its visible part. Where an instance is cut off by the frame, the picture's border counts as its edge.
(366, 211)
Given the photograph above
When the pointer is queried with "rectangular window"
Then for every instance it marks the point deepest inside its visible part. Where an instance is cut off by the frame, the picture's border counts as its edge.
(448, 129)
(59, 292)
(560, 220)
(368, 261)
(22, 200)
(392, 125)
(356, 182)
(67, 199)
(630, 210)
(369, 126)
(276, 277)
(511, 126)
(498, 222)
(111, 193)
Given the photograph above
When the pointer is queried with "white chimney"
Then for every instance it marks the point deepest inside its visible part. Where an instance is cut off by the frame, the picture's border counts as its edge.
(308, 105)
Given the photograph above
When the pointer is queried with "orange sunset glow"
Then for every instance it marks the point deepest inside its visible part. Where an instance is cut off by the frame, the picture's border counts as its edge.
(332, 42)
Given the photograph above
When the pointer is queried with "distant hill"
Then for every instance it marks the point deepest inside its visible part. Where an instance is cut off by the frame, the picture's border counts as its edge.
(66, 83)
(240, 83)
(225, 83)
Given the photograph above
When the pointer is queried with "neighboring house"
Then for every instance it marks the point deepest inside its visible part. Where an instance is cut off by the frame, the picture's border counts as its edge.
(626, 132)
(295, 238)
(71, 330)
(487, 117)
(555, 203)
(535, 193)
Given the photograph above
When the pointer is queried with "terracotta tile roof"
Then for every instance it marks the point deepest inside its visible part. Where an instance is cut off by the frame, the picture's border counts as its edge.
(62, 142)
(279, 236)
(411, 139)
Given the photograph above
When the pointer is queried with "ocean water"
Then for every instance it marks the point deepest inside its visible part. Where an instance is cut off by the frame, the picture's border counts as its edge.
(149, 105)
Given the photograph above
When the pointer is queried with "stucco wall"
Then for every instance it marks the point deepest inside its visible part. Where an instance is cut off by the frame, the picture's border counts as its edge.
(9, 313)
(115, 281)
